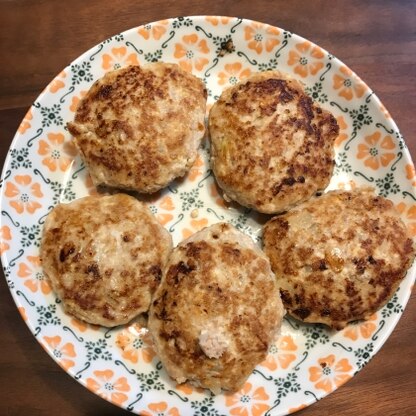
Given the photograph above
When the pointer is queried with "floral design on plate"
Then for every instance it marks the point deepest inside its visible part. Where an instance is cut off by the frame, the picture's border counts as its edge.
(43, 169)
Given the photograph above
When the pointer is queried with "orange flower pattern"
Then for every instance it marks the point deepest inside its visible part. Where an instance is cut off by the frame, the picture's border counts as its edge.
(136, 344)
(64, 353)
(216, 192)
(166, 204)
(5, 236)
(83, 326)
(408, 214)
(22, 312)
(384, 111)
(75, 101)
(330, 374)
(365, 329)
(196, 225)
(118, 58)
(348, 84)
(105, 386)
(23, 194)
(25, 124)
(411, 173)
(377, 151)
(32, 272)
(160, 409)
(232, 74)
(280, 355)
(261, 37)
(306, 59)
(58, 153)
(192, 53)
(248, 401)
(342, 136)
(216, 20)
(196, 170)
(188, 388)
(154, 30)
(57, 83)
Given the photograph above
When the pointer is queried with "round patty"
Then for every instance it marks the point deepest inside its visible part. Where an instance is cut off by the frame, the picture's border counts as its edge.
(139, 127)
(271, 145)
(338, 257)
(217, 309)
(104, 256)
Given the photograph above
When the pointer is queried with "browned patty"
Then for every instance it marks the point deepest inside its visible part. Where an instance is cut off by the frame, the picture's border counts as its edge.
(140, 127)
(217, 309)
(104, 256)
(272, 146)
(338, 257)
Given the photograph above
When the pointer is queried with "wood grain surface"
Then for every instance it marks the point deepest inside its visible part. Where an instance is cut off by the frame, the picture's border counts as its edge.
(376, 39)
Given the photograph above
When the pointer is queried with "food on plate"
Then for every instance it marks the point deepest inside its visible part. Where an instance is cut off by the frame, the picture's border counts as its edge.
(272, 147)
(104, 257)
(338, 257)
(217, 309)
(139, 127)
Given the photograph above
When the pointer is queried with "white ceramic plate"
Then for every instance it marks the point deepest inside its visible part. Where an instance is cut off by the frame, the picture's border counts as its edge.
(42, 169)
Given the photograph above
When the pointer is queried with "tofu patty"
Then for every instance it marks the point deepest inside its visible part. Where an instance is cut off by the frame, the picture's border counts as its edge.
(272, 147)
(139, 127)
(338, 257)
(104, 257)
(217, 309)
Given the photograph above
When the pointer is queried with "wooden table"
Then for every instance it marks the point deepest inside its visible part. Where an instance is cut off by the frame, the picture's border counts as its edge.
(377, 39)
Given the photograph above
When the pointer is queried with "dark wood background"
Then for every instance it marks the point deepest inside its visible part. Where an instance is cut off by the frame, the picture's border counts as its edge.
(377, 39)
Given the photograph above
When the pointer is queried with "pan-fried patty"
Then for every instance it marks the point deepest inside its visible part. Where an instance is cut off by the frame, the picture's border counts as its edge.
(271, 145)
(140, 127)
(217, 309)
(104, 257)
(338, 257)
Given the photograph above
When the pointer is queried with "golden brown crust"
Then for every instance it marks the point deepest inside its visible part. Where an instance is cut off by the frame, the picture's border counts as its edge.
(104, 256)
(338, 257)
(139, 127)
(272, 146)
(217, 309)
